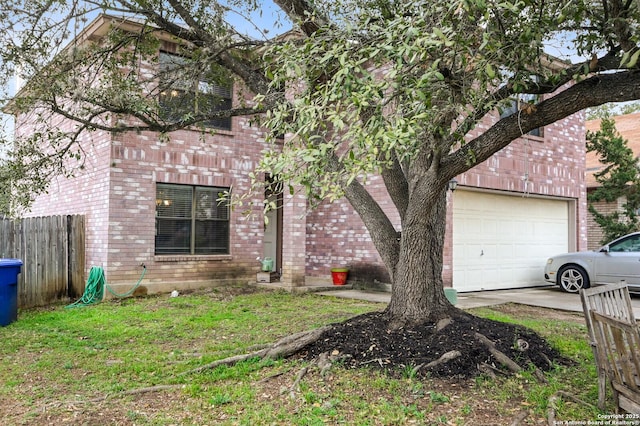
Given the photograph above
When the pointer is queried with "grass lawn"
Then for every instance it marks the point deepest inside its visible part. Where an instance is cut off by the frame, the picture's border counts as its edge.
(92, 365)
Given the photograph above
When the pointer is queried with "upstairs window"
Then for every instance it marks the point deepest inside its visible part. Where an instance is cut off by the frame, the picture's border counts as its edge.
(519, 104)
(190, 220)
(187, 91)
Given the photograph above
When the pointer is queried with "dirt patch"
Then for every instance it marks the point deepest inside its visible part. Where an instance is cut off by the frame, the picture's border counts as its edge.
(367, 340)
(441, 401)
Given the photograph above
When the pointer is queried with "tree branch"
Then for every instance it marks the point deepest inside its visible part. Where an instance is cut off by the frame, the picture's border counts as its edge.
(255, 79)
(619, 87)
(396, 183)
(383, 233)
(303, 13)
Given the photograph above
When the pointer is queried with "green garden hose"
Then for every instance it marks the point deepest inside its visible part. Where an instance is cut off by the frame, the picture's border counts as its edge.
(96, 283)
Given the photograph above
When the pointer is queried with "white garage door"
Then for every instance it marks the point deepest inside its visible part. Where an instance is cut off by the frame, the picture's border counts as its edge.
(503, 241)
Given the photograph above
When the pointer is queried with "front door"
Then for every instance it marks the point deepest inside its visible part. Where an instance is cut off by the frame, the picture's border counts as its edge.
(272, 242)
(270, 246)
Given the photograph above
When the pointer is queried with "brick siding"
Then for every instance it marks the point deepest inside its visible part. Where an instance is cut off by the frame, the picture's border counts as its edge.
(628, 126)
(116, 192)
(596, 235)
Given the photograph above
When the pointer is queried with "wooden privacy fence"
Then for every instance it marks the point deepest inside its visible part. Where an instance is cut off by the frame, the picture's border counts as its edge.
(52, 251)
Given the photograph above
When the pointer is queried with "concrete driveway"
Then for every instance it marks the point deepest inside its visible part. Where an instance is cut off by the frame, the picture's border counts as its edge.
(546, 297)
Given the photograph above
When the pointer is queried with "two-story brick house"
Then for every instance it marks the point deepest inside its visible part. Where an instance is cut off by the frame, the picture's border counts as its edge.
(152, 202)
(628, 126)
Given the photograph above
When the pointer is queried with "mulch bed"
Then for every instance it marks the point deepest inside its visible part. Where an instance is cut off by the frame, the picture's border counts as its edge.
(366, 340)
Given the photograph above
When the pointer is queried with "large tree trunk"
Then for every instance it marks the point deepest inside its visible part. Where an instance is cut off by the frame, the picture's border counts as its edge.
(417, 290)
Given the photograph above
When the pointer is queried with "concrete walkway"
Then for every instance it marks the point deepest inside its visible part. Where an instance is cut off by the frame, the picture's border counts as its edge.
(546, 297)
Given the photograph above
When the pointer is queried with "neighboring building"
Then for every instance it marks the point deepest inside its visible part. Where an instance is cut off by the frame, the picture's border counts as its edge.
(153, 203)
(628, 126)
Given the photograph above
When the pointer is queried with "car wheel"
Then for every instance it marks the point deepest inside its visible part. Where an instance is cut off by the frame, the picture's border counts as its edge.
(572, 279)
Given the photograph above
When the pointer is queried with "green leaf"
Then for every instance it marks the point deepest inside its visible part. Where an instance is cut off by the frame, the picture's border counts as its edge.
(490, 71)
(625, 58)
(438, 32)
(634, 59)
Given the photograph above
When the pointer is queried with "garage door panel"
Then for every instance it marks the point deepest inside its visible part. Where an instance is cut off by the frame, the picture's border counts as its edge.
(524, 250)
(471, 225)
(510, 274)
(472, 253)
(503, 241)
(490, 226)
(505, 251)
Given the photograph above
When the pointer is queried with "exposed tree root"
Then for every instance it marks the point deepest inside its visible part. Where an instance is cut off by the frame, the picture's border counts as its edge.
(158, 388)
(292, 344)
(138, 391)
(380, 361)
(547, 360)
(271, 377)
(282, 348)
(505, 360)
(444, 322)
(551, 410)
(540, 376)
(323, 362)
(253, 348)
(485, 368)
(227, 361)
(517, 420)
(295, 387)
(446, 357)
(500, 356)
(490, 370)
(522, 345)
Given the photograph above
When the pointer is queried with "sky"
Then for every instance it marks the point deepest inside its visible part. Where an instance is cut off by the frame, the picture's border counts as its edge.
(263, 20)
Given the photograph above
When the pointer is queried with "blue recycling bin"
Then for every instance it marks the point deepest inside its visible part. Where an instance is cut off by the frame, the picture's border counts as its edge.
(9, 270)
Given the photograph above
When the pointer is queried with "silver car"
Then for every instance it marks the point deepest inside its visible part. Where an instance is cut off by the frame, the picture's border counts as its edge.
(615, 262)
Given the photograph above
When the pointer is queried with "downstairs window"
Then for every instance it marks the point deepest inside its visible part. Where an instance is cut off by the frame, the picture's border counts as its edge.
(190, 220)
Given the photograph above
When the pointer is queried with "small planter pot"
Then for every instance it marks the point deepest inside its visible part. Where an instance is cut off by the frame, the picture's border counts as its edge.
(267, 264)
(339, 275)
(451, 295)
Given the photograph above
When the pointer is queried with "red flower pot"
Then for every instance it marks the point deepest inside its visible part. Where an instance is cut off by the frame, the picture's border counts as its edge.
(339, 276)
